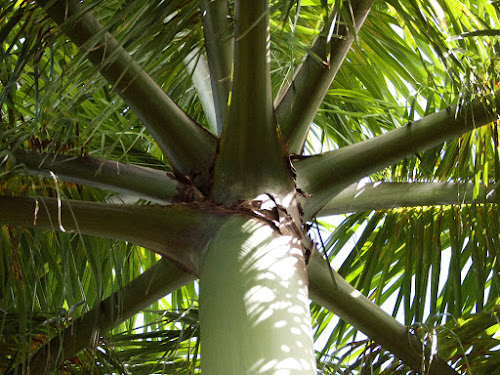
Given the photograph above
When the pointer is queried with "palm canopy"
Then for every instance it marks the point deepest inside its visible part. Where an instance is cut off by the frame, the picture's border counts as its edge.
(386, 114)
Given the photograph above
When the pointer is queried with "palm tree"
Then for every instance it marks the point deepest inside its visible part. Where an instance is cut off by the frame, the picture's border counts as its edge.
(148, 144)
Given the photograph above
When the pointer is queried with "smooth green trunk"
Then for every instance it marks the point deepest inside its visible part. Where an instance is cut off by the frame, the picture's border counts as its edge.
(254, 304)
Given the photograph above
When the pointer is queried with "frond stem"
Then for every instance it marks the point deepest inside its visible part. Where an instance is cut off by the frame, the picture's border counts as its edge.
(326, 175)
(159, 280)
(299, 104)
(189, 147)
(141, 182)
(387, 195)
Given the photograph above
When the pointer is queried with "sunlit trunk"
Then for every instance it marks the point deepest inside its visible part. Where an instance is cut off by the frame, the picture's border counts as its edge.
(254, 306)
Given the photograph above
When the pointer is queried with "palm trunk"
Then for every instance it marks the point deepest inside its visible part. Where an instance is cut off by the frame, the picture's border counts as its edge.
(254, 305)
